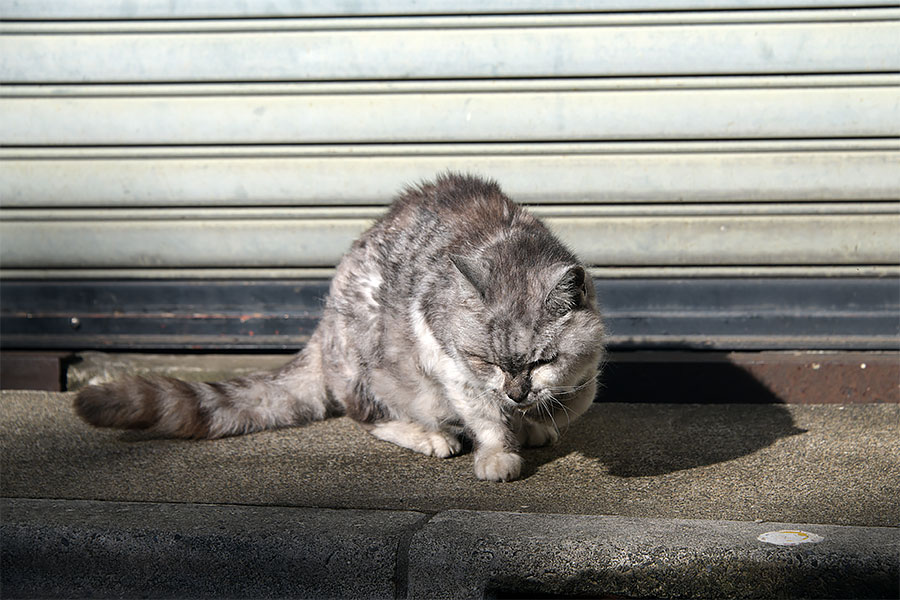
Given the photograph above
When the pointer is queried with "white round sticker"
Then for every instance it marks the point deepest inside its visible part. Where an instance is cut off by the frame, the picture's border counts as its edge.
(790, 538)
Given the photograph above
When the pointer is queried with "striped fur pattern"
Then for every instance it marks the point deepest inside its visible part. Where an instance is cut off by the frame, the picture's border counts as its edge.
(292, 395)
(458, 314)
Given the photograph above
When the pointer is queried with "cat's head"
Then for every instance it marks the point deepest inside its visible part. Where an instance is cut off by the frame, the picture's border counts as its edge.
(528, 327)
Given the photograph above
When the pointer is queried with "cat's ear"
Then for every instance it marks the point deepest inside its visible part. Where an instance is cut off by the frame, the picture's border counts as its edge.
(475, 270)
(570, 291)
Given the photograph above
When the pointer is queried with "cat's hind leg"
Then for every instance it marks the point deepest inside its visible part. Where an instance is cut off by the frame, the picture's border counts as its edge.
(418, 438)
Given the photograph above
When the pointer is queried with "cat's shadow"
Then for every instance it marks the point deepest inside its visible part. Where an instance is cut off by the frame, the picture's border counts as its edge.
(676, 427)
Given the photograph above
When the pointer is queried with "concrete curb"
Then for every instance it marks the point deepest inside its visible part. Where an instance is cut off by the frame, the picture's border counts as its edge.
(77, 548)
(89, 549)
(467, 554)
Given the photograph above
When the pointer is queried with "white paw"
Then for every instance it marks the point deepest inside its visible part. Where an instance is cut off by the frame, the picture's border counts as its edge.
(440, 444)
(538, 434)
(499, 466)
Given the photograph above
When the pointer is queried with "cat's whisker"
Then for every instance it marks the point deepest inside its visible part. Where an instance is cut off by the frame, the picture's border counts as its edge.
(553, 421)
(566, 410)
(571, 389)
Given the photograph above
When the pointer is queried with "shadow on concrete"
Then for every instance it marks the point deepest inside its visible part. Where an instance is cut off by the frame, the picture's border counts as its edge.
(830, 577)
(704, 416)
(681, 377)
(632, 443)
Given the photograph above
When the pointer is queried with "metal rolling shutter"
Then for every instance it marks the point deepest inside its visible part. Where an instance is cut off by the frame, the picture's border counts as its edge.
(187, 174)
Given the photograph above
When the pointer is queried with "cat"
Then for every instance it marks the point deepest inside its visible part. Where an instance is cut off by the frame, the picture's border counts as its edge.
(456, 314)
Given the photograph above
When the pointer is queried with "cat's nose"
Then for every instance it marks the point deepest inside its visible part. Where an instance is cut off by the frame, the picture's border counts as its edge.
(517, 388)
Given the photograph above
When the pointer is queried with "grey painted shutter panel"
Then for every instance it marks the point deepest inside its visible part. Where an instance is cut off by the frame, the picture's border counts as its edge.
(660, 139)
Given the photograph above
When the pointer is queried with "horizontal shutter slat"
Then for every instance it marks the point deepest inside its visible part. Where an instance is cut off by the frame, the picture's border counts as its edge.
(581, 51)
(669, 177)
(148, 9)
(609, 115)
(679, 240)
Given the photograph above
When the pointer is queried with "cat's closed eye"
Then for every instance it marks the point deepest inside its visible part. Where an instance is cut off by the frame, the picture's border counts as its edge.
(481, 363)
(544, 358)
(540, 362)
(525, 369)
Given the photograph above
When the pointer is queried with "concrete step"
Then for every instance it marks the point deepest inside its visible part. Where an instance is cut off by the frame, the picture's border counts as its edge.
(636, 500)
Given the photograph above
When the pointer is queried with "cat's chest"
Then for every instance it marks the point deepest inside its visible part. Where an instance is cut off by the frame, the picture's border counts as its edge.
(432, 359)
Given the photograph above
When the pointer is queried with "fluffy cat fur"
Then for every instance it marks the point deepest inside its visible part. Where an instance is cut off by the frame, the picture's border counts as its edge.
(457, 313)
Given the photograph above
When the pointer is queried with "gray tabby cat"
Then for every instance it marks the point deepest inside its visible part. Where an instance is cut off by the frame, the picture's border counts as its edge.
(457, 313)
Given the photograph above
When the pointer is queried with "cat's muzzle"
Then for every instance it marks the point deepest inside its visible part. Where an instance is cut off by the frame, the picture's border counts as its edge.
(517, 388)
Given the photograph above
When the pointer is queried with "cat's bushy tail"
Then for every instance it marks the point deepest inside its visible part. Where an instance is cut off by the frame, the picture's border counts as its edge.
(293, 395)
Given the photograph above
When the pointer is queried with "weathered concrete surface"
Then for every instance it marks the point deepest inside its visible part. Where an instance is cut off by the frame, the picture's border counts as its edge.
(84, 549)
(803, 464)
(77, 548)
(464, 554)
(328, 511)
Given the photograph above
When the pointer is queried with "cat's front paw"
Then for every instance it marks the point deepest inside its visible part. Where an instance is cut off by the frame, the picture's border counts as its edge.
(499, 466)
(535, 434)
(441, 444)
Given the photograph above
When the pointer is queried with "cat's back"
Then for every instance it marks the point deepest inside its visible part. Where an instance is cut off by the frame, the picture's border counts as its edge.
(454, 214)
(455, 211)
